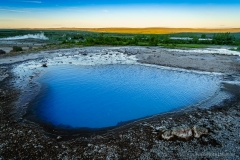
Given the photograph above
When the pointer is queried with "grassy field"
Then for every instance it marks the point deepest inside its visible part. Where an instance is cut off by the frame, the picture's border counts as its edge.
(74, 37)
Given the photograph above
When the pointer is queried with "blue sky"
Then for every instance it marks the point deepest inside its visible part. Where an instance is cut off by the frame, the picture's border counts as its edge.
(68, 3)
(124, 13)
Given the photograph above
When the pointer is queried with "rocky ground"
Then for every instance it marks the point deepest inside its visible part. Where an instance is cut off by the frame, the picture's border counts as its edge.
(25, 44)
(204, 61)
(193, 133)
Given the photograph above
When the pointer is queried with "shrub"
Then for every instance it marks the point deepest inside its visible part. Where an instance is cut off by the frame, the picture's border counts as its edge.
(17, 49)
(203, 36)
(223, 39)
(2, 52)
(238, 48)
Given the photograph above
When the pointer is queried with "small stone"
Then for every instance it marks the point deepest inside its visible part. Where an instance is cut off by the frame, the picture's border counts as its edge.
(160, 131)
(89, 145)
(199, 131)
(59, 137)
(162, 128)
(120, 136)
(167, 135)
(205, 140)
(44, 65)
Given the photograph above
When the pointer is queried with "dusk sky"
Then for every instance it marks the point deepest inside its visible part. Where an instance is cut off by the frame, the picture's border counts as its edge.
(119, 13)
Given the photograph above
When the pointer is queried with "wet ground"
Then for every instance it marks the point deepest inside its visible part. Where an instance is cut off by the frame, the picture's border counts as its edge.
(143, 139)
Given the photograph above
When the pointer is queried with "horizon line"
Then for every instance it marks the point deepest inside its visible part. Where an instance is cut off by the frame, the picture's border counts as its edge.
(146, 30)
(220, 28)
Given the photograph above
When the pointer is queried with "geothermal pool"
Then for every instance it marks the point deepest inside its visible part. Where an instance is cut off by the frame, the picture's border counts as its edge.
(105, 95)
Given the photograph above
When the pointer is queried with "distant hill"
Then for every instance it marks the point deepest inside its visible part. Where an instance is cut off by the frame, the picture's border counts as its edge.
(148, 30)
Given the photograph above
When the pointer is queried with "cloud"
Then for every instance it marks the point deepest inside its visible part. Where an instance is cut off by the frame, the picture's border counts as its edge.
(33, 2)
(106, 11)
(11, 10)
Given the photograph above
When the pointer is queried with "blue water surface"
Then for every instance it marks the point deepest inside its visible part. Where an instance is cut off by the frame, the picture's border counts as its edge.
(104, 95)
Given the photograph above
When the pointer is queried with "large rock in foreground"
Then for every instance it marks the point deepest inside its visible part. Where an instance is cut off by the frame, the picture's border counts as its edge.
(182, 132)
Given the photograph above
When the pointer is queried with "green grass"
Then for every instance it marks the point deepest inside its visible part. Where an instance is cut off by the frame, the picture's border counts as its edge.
(182, 46)
(75, 38)
(142, 43)
(235, 49)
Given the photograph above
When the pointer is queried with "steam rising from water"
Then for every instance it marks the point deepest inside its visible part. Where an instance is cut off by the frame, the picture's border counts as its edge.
(34, 36)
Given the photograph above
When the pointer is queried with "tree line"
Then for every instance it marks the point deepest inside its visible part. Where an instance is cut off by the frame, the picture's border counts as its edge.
(151, 40)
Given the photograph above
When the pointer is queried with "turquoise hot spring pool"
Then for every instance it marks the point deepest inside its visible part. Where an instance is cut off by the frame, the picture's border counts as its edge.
(106, 95)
